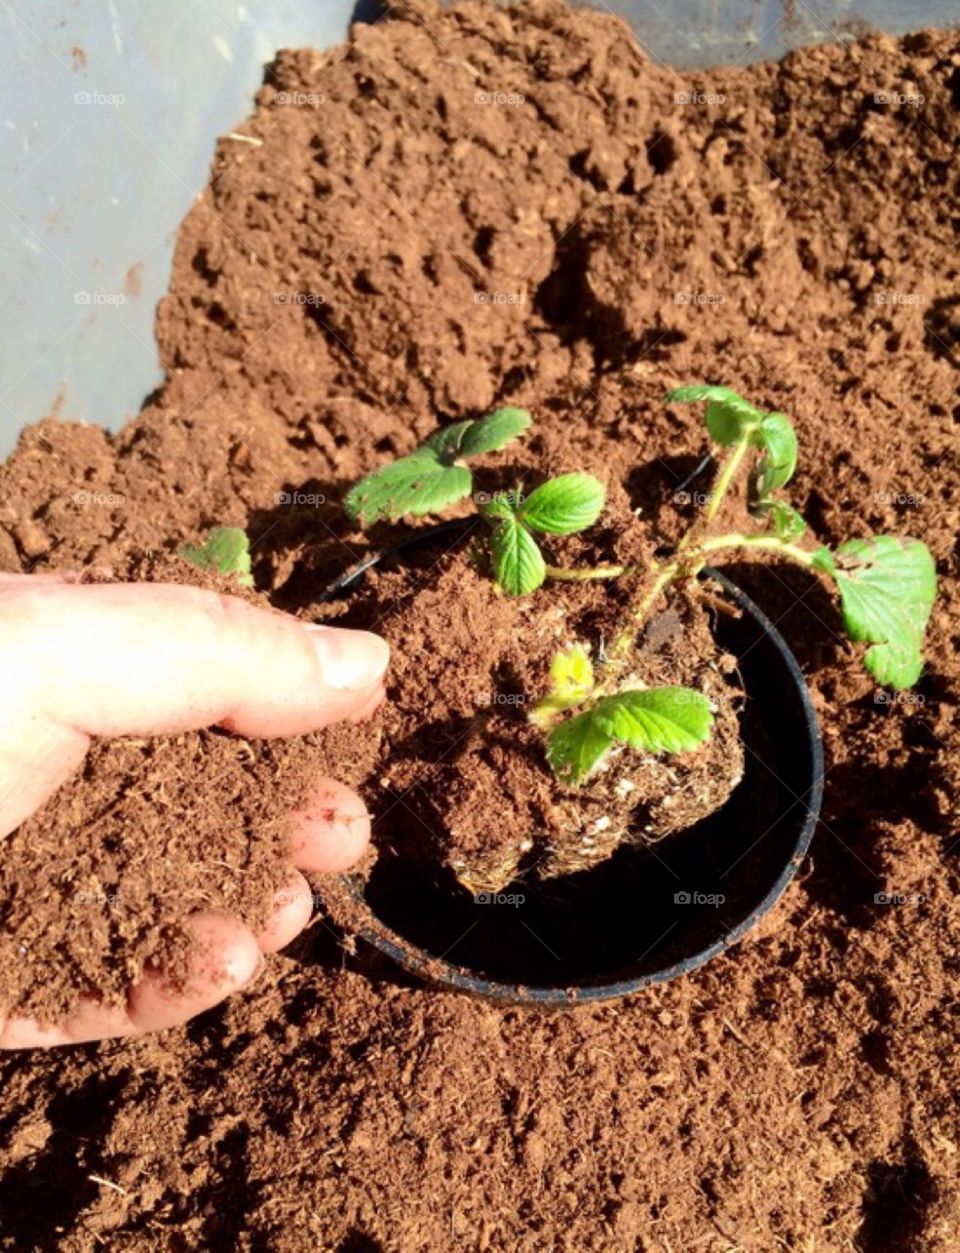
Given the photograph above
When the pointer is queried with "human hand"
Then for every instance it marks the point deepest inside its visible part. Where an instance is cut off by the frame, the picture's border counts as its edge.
(78, 661)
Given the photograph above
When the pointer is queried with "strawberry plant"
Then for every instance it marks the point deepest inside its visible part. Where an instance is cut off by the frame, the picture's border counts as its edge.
(886, 584)
(437, 475)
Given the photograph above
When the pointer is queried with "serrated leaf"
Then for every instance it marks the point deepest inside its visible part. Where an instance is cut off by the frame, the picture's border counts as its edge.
(418, 484)
(563, 505)
(895, 665)
(576, 747)
(887, 587)
(432, 476)
(518, 564)
(226, 550)
(885, 581)
(777, 438)
(657, 719)
(495, 431)
(787, 522)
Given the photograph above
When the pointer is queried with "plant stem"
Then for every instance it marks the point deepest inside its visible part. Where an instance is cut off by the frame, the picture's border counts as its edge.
(770, 543)
(591, 572)
(690, 563)
(725, 477)
(721, 485)
(688, 557)
(624, 642)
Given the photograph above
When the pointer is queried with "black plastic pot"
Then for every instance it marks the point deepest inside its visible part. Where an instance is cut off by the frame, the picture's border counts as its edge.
(647, 914)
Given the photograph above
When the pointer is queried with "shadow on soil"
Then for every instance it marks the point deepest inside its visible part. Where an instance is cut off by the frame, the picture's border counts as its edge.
(897, 1197)
(42, 1196)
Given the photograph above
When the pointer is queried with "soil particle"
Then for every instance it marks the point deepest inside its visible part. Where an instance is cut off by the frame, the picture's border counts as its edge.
(336, 291)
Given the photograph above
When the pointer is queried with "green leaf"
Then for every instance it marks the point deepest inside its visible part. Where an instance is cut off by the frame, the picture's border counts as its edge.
(707, 391)
(895, 665)
(518, 564)
(657, 719)
(495, 431)
(569, 503)
(729, 417)
(571, 682)
(227, 550)
(576, 747)
(887, 587)
(431, 477)
(778, 440)
(787, 522)
(724, 425)
(416, 485)
(571, 672)
(447, 443)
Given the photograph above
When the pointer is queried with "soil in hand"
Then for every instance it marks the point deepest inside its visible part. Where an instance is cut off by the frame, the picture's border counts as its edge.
(98, 885)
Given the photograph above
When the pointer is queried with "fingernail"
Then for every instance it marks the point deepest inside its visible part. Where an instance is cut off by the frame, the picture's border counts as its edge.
(349, 660)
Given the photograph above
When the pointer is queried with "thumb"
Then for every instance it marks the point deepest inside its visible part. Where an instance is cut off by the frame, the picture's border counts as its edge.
(142, 659)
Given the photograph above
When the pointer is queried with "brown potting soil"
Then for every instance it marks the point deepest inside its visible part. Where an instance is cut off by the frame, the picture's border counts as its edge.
(517, 206)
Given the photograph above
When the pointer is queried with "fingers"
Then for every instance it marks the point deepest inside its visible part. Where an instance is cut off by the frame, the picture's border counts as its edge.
(330, 834)
(36, 756)
(227, 957)
(139, 659)
(332, 831)
(293, 909)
